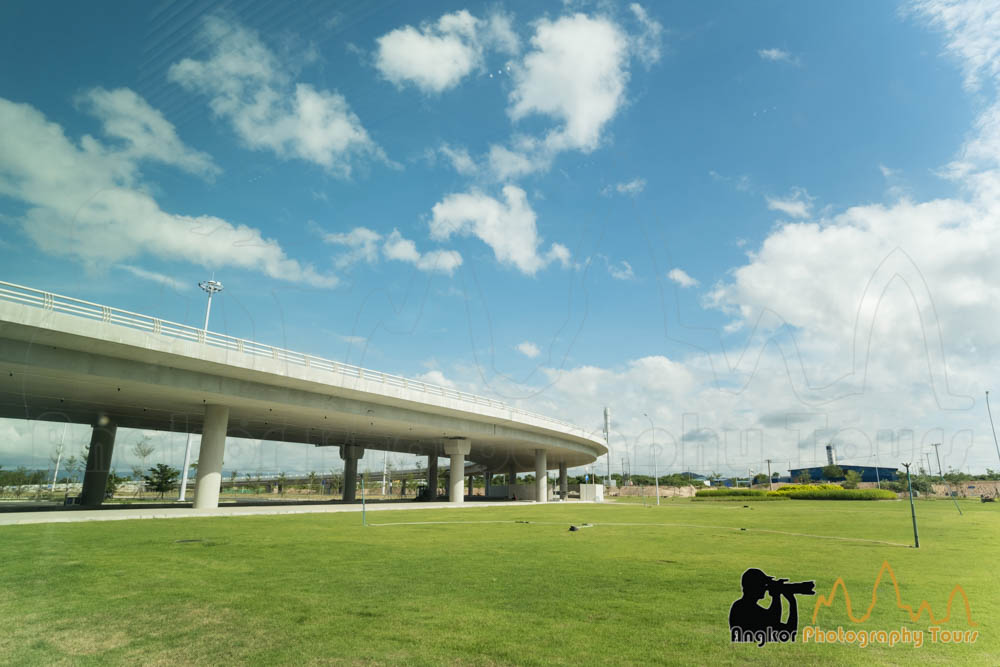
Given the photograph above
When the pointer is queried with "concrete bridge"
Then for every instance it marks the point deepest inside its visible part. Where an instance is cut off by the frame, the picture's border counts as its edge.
(67, 360)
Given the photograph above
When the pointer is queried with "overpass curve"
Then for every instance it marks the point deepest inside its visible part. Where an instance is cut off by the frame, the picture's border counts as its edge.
(64, 359)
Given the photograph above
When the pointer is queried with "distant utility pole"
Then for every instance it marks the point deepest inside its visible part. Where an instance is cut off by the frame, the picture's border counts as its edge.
(770, 483)
(993, 428)
(938, 455)
(927, 456)
(656, 481)
(913, 512)
(212, 287)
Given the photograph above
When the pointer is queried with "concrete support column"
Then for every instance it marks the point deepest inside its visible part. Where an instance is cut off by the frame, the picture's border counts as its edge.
(210, 455)
(511, 480)
(350, 455)
(471, 492)
(95, 477)
(432, 477)
(487, 482)
(541, 476)
(563, 485)
(457, 450)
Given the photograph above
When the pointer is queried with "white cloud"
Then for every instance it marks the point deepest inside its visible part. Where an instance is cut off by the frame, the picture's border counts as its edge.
(250, 88)
(621, 271)
(86, 202)
(971, 32)
(776, 56)
(508, 227)
(680, 276)
(460, 159)
(436, 377)
(797, 205)
(646, 44)
(146, 133)
(576, 74)
(528, 349)
(629, 188)
(361, 242)
(437, 56)
(403, 250)
(155, 277)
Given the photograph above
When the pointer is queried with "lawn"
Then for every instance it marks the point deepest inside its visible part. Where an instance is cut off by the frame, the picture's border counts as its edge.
(481, 586)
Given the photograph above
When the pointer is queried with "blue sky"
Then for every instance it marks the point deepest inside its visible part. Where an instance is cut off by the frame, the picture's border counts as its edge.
(669, 210)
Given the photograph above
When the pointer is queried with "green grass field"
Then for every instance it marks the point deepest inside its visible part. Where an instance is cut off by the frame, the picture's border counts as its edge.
(478, 586)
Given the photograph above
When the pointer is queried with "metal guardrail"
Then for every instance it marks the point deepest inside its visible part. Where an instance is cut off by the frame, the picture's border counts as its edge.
(94, 311)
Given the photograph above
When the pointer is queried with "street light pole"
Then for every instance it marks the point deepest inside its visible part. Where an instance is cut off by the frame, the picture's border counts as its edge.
(210, 286)
(656, 475)
(913, 512)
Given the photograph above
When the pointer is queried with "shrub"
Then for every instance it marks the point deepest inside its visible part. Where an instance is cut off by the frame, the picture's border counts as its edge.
(791, 488)
(739, 499)
(841, 494)
(709, 493)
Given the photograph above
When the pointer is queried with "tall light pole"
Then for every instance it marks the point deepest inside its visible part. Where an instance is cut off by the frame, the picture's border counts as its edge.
(770, 483)
(652, 446)
(210, 286)
(913, 512)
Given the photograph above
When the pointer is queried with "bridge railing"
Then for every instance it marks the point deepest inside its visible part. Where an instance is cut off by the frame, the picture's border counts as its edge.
(95, 311)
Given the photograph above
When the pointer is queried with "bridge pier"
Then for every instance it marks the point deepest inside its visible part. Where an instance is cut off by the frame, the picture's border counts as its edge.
(511, 480)
(487, 482)
(210, 456)
(563, 485)
(95, 477)
(457, 449)
(432, 477)
(541, 476)
(350, 454)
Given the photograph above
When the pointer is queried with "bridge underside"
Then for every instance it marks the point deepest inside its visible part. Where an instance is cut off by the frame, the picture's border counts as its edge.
(57, 377)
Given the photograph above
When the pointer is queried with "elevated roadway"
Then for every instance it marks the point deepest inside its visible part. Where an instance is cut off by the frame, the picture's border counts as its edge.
(67, 360)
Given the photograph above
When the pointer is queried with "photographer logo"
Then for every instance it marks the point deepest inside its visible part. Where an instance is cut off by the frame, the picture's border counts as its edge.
(749, 622)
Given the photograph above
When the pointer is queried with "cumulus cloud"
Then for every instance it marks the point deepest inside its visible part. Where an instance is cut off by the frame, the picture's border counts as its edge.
(146, 134)
(361, 244)
(646, 44)
(86, 200)
(629, 188)
(621, 271)
(528, 349)
(248, 87)
(680, 276)
(776, 56)
(400, 249)
(797, 205)
(364, 245)
(507, 226)
(437, 56)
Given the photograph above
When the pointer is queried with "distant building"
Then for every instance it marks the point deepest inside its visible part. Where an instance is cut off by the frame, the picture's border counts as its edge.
(868, 473)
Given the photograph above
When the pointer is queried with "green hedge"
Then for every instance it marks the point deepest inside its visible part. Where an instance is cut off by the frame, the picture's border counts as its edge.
(839, 494)
(739, 499)
(711, 493)
(794, 488)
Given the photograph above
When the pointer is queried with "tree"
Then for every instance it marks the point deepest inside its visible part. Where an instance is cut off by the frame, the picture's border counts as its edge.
(281, 483)
(112, 485)
(142, 450)
(232, 479)
(162, 478)
(833, 472)
(851, 479)
(312, 481)
(804, 477)
(760, 478)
